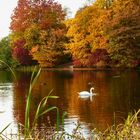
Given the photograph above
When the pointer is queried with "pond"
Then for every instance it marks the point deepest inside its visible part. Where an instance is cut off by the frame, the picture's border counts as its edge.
(117, 94)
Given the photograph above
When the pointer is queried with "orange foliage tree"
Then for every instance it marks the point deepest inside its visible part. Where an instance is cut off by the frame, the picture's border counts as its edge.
(123, 30)
(40, 24)
(86, 33)
(109, 28)
(78, 34)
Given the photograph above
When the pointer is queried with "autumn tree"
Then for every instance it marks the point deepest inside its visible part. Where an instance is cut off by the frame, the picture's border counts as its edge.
(20, 16)
(104, 4)
(103, 33)
(21, 54)
(79, 44)
(40, 24)
(86, 33)
(123, 29)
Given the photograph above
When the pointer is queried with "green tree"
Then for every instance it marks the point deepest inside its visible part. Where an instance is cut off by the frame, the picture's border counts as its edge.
(5, 53)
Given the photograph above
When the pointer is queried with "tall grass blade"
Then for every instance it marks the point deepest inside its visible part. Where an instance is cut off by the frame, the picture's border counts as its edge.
(42, 105)
(58, 120)
(28, 102)
(41, 110)
(5, 128)
(63, 118)
(46, 98)
(9, 68)
(47, 110)
(34, 79)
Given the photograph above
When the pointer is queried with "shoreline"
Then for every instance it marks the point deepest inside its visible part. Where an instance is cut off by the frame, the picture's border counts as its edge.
(71, 68)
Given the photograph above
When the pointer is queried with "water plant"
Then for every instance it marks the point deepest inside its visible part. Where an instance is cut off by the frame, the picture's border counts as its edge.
(129, 130)
(12, 71)
(41, 109)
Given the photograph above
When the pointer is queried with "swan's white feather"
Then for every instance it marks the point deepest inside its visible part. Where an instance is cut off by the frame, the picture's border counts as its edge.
(86, 93)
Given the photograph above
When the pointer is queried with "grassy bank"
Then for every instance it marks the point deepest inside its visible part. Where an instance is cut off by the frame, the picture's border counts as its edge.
(130, 130)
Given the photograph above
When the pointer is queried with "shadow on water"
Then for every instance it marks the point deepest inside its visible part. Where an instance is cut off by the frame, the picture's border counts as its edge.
(116, 92)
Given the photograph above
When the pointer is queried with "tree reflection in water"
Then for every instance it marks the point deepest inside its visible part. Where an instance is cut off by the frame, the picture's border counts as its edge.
(117, 92)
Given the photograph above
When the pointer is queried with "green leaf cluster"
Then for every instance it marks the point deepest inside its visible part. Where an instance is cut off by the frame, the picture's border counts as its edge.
(6, 53)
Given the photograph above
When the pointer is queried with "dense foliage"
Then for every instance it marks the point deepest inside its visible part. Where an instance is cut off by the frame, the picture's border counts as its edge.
(105, 33)
(102, 35)
(40, 24)
(6, 53)
(124, 32)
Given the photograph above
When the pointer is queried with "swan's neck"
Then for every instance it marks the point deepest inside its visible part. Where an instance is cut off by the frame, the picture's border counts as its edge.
(91, 91)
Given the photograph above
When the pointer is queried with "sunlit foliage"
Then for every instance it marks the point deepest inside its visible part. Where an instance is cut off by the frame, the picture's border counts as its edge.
(86, 33)
(40, 24)
(105, 33)
(79, 44)
(111, 25)
(123, 28)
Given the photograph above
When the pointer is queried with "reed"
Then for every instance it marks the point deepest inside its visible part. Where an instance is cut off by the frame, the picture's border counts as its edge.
(41, 109)
(130, 130)
(28, 102)
(12, 71)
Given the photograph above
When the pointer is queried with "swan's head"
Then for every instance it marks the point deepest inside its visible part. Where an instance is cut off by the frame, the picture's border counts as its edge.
(92, 88)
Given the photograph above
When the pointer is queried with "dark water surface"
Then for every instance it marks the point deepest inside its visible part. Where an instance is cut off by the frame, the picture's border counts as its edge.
(118, 92)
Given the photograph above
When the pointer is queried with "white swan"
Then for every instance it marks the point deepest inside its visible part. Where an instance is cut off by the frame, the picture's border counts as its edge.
(86, 93)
